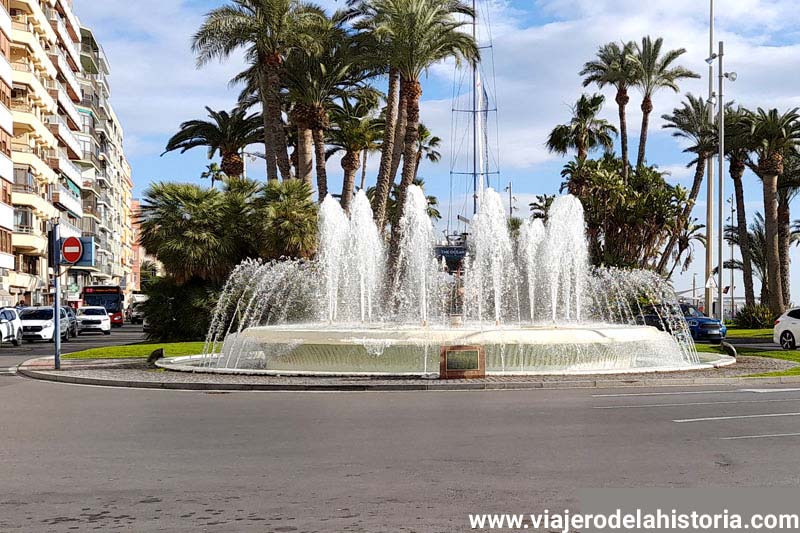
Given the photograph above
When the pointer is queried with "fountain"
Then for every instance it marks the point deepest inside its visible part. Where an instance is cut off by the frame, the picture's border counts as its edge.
(520, 305)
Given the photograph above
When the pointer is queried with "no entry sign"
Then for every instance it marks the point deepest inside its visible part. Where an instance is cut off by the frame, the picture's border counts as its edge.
(72, 249)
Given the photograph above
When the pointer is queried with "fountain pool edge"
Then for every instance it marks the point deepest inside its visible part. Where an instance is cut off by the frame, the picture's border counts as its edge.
(188, 363)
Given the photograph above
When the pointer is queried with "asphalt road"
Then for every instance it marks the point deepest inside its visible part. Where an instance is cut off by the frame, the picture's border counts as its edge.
(11, 356)
(88, 458)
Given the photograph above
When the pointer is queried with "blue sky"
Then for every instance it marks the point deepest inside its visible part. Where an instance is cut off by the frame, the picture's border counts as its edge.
(539, 47)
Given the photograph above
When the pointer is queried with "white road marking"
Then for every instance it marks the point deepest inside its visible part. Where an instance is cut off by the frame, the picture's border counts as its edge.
(663, 393)
(762, 391)
(693, 403)
(737, 417)
(743, 437)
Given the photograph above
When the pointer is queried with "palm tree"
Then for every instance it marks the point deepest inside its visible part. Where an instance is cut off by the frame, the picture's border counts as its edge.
(788, 190)
(391, 206)
(690, 233)
(653, 73)
(427, 147)
(418, 34)
(737, 150)
(614, 66)
(773, 134)
(289, 217)
(691, 123)
(268, 30)
(228, 133)
(213, 172)
(315, 80)
(353, 131)
(585, 131)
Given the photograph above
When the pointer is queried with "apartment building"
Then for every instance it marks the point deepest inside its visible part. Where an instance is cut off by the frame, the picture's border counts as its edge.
(66, 151)
(6, 165)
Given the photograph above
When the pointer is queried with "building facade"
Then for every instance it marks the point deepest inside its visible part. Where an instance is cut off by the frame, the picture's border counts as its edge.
(66, 151)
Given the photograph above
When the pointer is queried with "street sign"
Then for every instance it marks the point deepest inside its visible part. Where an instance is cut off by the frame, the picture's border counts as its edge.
(711, 282)
(72, 249)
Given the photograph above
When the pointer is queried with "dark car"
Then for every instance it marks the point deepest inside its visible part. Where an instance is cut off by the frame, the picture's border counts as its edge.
(703, 328)
(73, 321)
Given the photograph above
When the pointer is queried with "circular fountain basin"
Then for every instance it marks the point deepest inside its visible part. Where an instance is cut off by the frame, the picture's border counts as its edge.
(313, 349)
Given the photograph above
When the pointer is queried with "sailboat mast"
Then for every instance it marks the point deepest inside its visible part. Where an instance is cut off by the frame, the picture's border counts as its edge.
(474, 116)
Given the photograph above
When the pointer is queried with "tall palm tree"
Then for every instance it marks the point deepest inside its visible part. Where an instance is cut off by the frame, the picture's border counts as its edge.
(427, 147)
(654, 72)
(391, 206)
(614, 66)
(268, 30)
(788, 190)
(213, 172)
(757, 238)
(418, 34)
(228, 133)
(737, 150)
(353, 131)
(774, 134)
(691, 123)
(585, 132)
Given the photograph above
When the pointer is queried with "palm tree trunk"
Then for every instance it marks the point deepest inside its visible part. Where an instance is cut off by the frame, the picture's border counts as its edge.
(276, 121)
(413, 92)
(269, 133)
(364, 170)
(399, 136)
(382, 184)
(305, 153)
(776, 303)
(350, 166)
(737, 171)
(699, 172)
(647, 108)
(784, 242)
(319, 156)
(417, 161)
(622, 100)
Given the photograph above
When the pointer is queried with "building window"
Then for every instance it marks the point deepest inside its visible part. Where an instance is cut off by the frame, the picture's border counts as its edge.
(5, 241)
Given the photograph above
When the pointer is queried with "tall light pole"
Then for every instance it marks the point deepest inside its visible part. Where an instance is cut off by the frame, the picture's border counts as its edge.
(709, 296)
(721, 163)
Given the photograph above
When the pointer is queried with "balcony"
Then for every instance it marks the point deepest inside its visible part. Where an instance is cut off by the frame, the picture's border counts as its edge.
(25, 281)
(67, 199)
(59, 93)
(73, 54)
(5, 22)
(89, 227)
(71, 22)
(23, 32)
(67, 229)
(93, 158)
(33, 197)
(25, 156)
(28, 119)
(25, 74)
(62, 163)
(29, 240)
(6, 120)
(59, 128)
(59, 59)
(38, 19)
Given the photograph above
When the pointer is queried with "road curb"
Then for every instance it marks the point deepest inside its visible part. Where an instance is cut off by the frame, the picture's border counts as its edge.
(433, 386)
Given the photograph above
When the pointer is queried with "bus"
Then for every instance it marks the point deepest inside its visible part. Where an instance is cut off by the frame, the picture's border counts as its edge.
(108, 296)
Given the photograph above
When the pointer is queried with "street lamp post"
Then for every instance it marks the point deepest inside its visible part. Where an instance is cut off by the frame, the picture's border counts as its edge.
(709, 294)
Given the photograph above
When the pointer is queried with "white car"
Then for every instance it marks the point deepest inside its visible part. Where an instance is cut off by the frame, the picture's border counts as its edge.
(38, 325)
(10, 326)
(787, 329)
(94, 318)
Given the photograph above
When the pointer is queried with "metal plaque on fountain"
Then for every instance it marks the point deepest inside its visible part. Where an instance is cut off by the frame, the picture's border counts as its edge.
(462, 362)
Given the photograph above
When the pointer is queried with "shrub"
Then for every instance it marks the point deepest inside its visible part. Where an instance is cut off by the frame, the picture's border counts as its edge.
(754, 317)
(178, 312)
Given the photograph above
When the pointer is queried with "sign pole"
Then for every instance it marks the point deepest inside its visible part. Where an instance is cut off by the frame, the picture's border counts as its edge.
(56, 250)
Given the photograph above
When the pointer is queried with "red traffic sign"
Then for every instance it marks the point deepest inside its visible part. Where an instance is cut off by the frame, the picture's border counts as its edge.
(72, 249)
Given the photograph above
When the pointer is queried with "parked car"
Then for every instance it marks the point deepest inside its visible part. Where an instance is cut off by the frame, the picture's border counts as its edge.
(93, 318)
(73, 321)
(701, 327)
(787, 329)
(38, 324)
(10, 326)
(136, 313)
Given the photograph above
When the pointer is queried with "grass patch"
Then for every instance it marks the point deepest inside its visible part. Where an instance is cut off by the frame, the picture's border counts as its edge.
(738, 333)
(172, 349)
(708, 348)
(786, 355)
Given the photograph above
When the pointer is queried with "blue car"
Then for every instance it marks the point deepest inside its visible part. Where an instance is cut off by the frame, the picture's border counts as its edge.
(702, 327)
